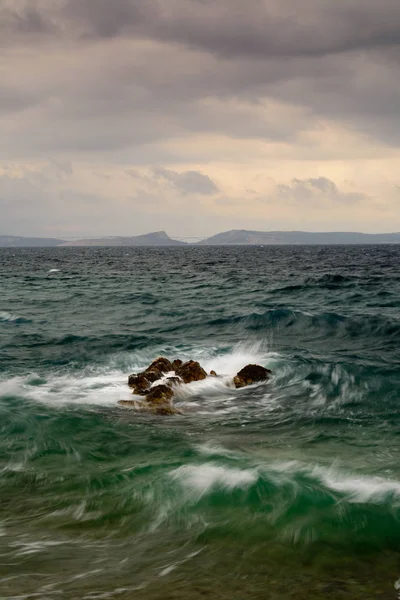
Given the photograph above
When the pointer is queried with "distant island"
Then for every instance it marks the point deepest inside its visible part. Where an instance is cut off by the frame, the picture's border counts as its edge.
(242, 237)
(158, 238)
(235, 237)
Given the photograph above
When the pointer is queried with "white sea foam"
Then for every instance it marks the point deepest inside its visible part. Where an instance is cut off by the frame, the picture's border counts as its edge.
(354, 487)
(207, 387)
(358, 488)
(99, 390)
(241, 355)
(199, 480)
(213, 449)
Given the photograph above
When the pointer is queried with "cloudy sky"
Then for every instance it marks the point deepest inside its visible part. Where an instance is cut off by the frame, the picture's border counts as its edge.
(120, 117)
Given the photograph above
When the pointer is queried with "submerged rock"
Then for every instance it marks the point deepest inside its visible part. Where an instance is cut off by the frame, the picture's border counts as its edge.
(160, 394)
(161, 364)
(191, 371)
(213, 374)
(165, 410)
(251, 374)
(176, 364)
(131, 403)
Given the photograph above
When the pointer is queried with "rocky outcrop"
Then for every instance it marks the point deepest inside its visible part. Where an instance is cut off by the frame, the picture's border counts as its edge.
(141, 382)
(158, 388)
(158, 400)
(191, 371)
(161, 364)
(160, 394)
(251, 374)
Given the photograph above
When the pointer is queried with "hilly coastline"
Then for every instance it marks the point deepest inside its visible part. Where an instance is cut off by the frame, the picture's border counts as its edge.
(256, 238)
(234, 237)
(158, 238)
(13, 241)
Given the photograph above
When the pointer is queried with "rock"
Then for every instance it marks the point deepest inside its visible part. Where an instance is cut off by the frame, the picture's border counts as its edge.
(251, 374)
(153, 375)
(140, 382)
(160, 364)
(213, 374)
(171, 381)
(160, 394)
(176, 364)
(191, 371)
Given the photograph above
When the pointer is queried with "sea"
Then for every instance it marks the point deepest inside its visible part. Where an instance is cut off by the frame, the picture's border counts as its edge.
(288, 489)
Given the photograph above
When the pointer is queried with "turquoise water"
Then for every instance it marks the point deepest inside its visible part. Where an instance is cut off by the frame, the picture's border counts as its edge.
(289, 489)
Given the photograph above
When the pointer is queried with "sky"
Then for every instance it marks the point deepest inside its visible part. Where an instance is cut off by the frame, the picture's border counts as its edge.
(122, 117)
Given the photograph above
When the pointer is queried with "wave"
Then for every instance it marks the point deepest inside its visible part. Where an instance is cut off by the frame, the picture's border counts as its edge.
(202, 479)
(300, 389)
(7, 317)
(199, 480)
(325, 322)
(292, 501)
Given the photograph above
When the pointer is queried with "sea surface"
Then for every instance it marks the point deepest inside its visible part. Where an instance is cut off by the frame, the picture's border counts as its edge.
(285, 490)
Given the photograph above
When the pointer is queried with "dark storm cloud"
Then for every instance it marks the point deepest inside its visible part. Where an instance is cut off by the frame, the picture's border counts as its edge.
(259, 28)
(207, 66)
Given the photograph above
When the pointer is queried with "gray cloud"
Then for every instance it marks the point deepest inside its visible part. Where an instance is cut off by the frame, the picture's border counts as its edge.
(318, 191)
(188, 182)
(336, 61)
(231, 27)
(225, 27)
(25, 18)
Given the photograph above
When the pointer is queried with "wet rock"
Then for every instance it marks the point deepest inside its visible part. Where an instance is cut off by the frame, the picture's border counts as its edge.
(171, 381)
(251, 374)
(213, 374)
(140, 382)
(191, 371)
(161, 364)
(153, 375)
(160, 394)
(176, 364)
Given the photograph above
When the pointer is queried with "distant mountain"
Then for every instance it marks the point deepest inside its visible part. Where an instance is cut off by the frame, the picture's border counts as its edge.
(235, 237)
(257, 238)
(12, 241)
(158, 238)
